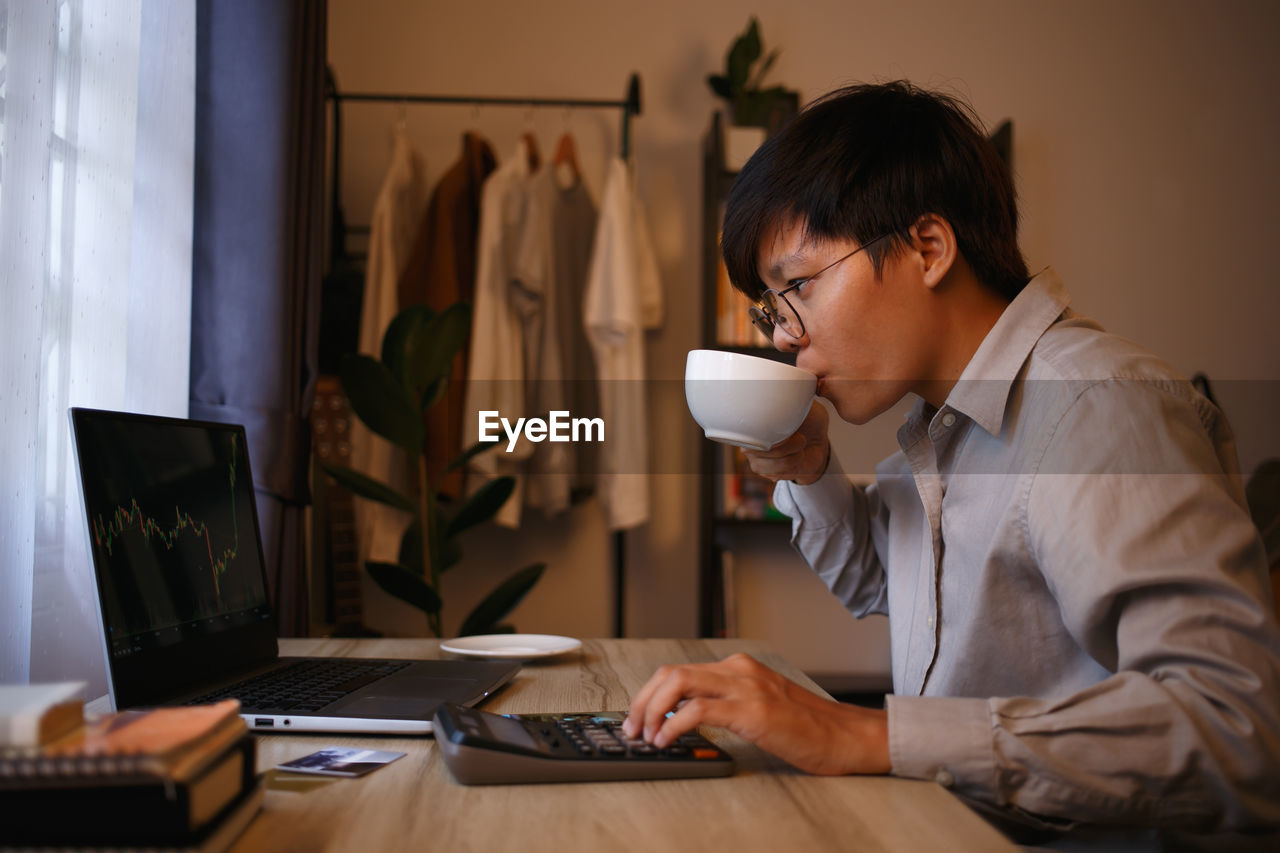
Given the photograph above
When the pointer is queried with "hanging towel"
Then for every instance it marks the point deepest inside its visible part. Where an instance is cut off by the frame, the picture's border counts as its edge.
(393, 225)
(623, 297)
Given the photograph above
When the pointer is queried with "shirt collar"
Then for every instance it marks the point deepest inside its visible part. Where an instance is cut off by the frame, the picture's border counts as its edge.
(982, 393)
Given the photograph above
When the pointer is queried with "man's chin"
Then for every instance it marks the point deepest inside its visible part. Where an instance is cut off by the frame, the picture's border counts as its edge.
(857, 419)
(857, 411)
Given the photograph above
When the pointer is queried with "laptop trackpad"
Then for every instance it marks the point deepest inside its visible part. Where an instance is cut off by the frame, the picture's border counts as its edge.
(407, 697)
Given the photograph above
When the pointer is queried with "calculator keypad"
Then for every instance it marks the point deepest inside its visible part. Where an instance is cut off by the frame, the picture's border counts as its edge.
(596, 738)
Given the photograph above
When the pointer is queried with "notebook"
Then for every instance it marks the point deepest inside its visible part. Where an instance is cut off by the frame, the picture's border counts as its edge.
(182, 591)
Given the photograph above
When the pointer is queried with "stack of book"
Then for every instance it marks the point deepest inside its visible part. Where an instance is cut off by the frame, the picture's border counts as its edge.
(181, 778)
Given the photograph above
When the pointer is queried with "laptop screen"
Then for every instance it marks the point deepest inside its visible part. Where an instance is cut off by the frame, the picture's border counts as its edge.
(176, 549)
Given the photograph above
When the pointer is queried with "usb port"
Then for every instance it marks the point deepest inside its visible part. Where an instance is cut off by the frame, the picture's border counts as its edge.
(264, 722)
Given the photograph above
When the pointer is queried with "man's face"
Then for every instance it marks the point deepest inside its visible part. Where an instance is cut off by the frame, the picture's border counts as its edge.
(866, 339)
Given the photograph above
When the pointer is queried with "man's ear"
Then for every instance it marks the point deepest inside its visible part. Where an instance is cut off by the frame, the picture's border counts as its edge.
(933, 238)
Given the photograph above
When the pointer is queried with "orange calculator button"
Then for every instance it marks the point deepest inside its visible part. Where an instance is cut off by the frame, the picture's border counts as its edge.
(705, 753)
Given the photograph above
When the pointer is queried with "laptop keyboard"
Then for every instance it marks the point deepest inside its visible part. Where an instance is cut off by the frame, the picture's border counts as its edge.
(303, 686)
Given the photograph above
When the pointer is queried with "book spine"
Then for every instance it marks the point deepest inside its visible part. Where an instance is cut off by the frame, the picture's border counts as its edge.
(20, 765)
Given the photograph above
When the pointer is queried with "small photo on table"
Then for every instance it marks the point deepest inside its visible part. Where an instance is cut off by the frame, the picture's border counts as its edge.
(340, 761)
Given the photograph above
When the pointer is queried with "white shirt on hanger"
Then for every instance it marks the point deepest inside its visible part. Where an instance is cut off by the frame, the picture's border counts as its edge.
(496, 372)
(623, 297)
(392, 229)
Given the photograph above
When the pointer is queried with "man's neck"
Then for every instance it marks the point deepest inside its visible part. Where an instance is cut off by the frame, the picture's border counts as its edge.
(968, 310)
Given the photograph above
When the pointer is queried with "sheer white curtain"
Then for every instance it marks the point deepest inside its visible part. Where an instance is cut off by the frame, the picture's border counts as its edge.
(97, 107)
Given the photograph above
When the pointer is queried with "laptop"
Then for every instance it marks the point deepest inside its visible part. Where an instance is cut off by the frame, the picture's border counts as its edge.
(182, 591)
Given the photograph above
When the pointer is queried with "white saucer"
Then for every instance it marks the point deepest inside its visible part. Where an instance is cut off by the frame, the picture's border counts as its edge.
(511, 646)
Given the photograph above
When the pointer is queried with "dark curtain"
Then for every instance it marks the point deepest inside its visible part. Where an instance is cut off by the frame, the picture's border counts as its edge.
(258, 256)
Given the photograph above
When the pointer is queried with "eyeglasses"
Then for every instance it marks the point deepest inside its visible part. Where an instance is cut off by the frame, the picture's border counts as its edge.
(775, 310)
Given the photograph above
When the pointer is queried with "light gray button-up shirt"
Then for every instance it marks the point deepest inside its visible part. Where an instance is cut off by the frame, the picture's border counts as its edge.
(1078, 602)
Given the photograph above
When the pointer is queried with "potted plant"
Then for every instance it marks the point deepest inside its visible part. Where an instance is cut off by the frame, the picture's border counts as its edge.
(390, 396)
(750, 107)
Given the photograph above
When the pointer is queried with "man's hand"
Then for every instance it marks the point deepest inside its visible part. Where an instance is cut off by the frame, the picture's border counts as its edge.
(802, 457)
(814, 734)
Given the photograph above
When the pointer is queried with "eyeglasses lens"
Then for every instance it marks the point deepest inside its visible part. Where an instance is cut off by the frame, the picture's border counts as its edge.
(761, 321)
(784, 316)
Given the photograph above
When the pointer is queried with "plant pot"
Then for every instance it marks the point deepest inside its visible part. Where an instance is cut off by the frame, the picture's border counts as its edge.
(739, 144)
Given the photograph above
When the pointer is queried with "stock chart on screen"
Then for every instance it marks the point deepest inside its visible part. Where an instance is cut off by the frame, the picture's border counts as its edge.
(170, 509)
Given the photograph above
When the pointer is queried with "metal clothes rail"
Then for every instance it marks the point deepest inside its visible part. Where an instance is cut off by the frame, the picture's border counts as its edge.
(630, 104)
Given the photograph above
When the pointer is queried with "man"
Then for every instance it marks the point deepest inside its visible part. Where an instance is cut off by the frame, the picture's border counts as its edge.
(1077, 597)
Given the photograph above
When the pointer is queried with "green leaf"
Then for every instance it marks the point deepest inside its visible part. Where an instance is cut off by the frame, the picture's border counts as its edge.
(745, 51)
(367, 487)
(433, 352)
(474, 450)
(405, 585)
(501, 601)
(402, 334)
(757, 79)
(720, 86)
(379, 400)
(738, 68)
(450, 554)
(434, 392)
(752, 35)
(411, 549)
(482, 506)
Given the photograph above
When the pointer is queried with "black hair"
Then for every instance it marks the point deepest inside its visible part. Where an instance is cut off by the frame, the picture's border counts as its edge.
(868, 161)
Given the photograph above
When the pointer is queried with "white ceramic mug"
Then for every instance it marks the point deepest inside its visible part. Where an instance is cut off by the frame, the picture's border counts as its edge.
(744, 399)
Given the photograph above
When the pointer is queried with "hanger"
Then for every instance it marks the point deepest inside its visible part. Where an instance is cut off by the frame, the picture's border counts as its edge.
(531, 146)
(531, 141)
(565, 160)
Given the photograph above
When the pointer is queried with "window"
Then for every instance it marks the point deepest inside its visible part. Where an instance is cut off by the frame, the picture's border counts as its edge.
(96, 150)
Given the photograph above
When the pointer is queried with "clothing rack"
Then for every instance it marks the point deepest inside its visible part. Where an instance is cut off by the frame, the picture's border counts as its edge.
(630, 106)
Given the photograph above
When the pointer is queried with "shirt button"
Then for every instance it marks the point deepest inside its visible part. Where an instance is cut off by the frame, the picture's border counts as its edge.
(930, 621)
(948, 420)
(944, 778)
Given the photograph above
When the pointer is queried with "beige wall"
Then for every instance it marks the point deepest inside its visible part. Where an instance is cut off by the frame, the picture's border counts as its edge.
(1145, 141)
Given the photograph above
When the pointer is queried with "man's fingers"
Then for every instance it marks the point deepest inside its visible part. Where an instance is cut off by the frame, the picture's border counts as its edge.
(634, 723)
(702, 711)
(666, 690)
(690, 682)
(802, 456)
(785, 449)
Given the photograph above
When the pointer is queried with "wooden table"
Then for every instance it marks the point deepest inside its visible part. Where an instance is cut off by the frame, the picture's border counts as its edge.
(414, 804)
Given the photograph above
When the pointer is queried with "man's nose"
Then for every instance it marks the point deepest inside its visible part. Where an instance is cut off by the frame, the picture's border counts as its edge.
(783, 342)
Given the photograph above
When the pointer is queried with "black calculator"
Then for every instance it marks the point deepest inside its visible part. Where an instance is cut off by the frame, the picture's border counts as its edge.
(480, 748)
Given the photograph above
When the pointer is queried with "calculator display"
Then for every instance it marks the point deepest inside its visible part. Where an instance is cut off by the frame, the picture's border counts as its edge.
(510, 731)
